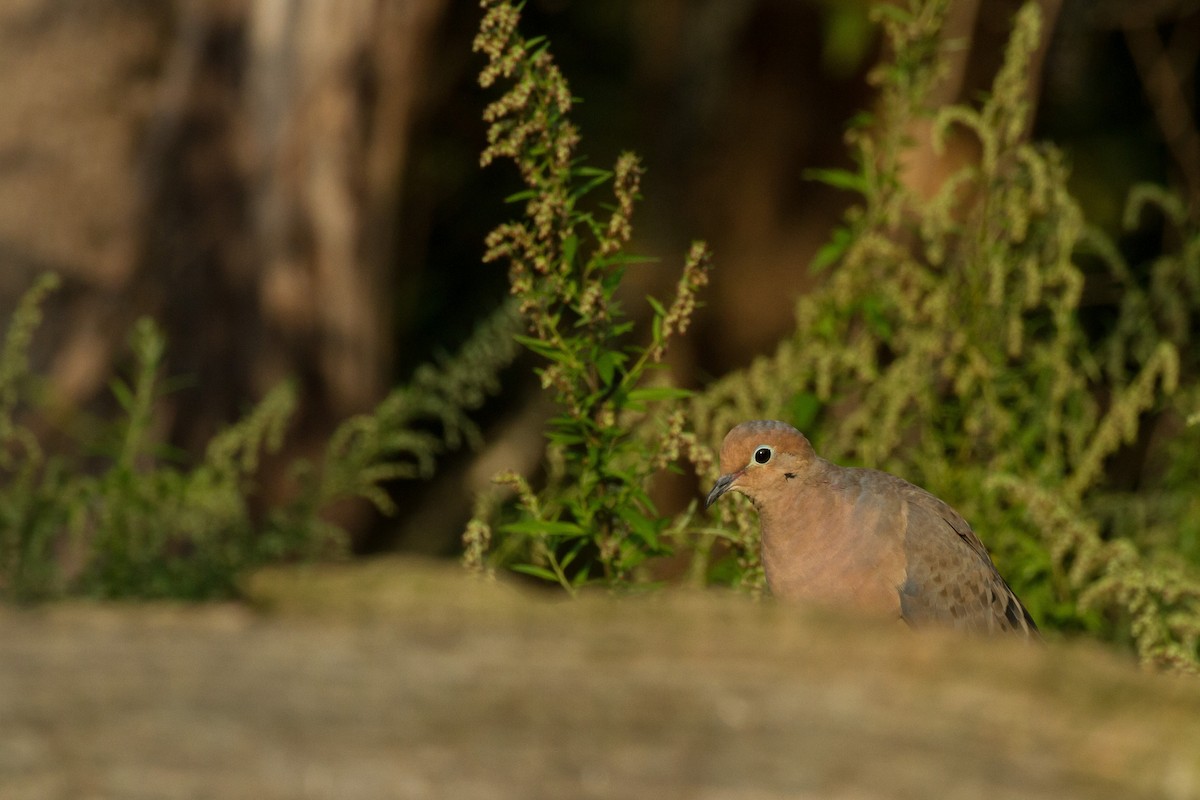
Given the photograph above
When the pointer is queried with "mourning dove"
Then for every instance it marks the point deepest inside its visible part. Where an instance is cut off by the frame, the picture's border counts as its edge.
(861, 538)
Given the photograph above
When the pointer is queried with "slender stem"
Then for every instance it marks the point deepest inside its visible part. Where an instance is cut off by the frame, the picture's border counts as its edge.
(558, 572)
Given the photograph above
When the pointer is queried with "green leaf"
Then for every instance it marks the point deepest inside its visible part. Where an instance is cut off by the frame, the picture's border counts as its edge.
(566, 422)
(563, 438)
(644, 527)
(832, 250)
(543, 349)
(654, 393)
(611, 279)
(543, 527)
(839, 179)
(566, 560)
(595, 181)
(863, 119)
(620, 328)
(525, 194)
(607, 364)
(535, 571)
(626, 259)
(122, 392)
(569, 248)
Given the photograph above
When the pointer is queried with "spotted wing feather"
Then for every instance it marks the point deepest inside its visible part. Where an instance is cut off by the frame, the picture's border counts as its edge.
(950, 579)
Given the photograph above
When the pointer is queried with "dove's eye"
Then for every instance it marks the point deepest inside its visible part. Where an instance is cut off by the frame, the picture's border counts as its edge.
(762, 455)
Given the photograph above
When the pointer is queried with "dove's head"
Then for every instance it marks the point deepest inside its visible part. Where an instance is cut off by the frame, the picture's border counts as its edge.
(761, 457)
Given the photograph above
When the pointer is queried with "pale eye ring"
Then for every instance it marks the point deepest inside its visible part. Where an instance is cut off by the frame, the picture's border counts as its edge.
(762, 454)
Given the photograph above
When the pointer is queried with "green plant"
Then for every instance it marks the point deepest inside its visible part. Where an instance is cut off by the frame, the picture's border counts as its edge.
(28, 513)
(948, 346)
(148, 528)
(593, 519)
(137, 522)
(949, 343)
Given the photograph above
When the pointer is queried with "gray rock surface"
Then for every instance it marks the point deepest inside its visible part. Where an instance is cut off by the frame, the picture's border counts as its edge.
(409, 680)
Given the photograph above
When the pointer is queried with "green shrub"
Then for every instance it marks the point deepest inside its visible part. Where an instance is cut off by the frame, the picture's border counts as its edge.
(946, 343)
(593, 520)
(134, 522)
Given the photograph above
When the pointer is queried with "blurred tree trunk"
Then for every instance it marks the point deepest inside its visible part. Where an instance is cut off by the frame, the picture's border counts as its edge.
(280, 183)
(78, 82)
(231, 167)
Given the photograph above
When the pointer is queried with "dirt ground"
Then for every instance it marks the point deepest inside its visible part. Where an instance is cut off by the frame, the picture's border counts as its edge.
(410, 680)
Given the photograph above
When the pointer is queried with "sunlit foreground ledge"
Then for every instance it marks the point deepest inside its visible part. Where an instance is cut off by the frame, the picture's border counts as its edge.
(408, 679)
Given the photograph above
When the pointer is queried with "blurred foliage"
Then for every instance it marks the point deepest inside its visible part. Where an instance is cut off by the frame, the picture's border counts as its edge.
(132, 523)
(948, 345)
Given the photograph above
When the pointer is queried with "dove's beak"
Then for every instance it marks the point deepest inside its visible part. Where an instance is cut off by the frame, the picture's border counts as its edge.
(720, 487)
